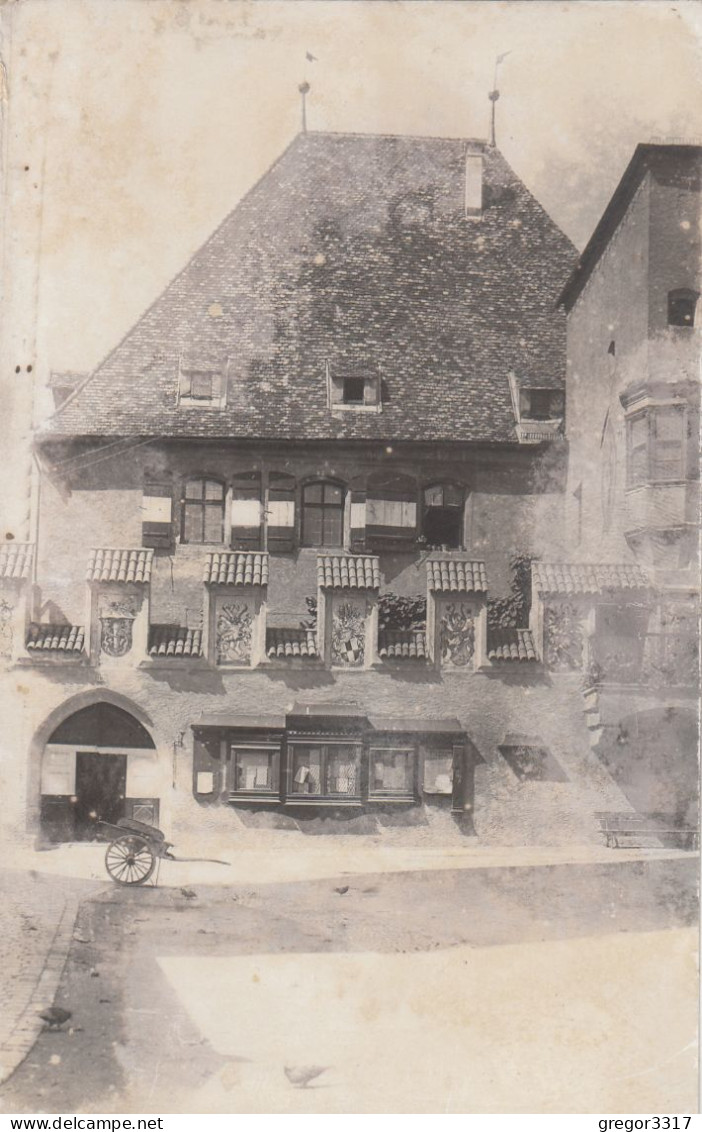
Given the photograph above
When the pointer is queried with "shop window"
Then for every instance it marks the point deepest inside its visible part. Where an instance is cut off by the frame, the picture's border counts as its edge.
(255, 769)
(323, 514)
(326, 769)
(202, 511)
(391, 772)
(655, 445)
(681, 307)
(438, 772)
(443, 515)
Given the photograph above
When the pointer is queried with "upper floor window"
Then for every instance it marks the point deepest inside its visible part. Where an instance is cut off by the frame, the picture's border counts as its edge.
(443, 515)
(541, 404)
(656, 441)
(353, 390)
(681, 307)
(201, 383)
(202, 515)
(323, 514)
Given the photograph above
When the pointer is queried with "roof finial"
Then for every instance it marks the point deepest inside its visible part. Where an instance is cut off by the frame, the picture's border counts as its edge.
(494, 95)
(304, 89)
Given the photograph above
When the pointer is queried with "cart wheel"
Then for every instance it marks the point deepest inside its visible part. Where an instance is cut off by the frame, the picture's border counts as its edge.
(129, 860)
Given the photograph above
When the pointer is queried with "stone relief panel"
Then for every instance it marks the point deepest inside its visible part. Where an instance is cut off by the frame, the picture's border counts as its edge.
(456, 634)
(563, 637)
(348, 635)
(117, 616)
(233, 631)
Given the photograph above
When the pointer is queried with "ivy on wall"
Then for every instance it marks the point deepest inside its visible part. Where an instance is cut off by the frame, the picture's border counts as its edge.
(513, 612)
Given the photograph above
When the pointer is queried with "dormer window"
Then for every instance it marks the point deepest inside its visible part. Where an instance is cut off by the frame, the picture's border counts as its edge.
(202, 383)
(541, 404)
(353, 391)
(681, 307)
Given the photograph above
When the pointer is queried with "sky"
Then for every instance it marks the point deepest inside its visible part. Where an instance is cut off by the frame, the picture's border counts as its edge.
(135, 126)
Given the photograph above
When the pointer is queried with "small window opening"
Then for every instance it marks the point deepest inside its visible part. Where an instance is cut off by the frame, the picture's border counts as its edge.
(354, 390)
(443, 516)
(681, 308)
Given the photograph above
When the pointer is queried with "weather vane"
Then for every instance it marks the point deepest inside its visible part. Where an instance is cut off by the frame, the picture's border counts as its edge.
(304, 89)
(494, 95)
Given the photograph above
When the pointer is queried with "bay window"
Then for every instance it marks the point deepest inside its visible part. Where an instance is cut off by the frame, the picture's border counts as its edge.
(325, 769)
(656, 445)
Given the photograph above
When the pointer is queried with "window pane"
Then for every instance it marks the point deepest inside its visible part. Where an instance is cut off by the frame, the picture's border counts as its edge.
(453, 496)
(332, 528)
(213, 490)
(434, 496)
(669, 425)
(639, 465)
(313, 493)
(254, 770)
(312, 526)
(201, 385)
(193, 489)
(638, 433)
(438, 772)
(342, 770)
(667, 462)
(332, 493)
(213, 524)
(392, 772)
(307, 770)
(192, 522)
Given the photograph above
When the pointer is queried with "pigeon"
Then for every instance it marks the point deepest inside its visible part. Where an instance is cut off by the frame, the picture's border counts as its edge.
(188, 893)
(343, 890)
(300, 1076)
(310, 57)
(55, 1016)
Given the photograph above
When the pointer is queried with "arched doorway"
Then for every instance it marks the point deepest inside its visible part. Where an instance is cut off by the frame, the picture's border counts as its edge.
(98, 764)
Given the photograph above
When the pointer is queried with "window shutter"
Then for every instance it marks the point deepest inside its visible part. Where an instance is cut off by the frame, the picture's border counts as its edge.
(184, 382)
(157, 515)
(391, 510)
(247, 513)
(358, 520)
(281, 513)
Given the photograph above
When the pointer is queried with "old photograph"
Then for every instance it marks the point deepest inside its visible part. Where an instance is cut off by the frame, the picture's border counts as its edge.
(349, 569)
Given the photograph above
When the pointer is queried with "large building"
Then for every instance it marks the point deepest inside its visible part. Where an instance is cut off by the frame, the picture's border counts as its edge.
(281, 574)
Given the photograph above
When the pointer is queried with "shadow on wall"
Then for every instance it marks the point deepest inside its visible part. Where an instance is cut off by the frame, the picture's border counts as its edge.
(653, 759)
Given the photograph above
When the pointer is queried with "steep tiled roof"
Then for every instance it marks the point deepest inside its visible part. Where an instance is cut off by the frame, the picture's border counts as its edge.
(511, 644)
(55, 638)
(173, 640)
(348, 572)
(402, 644)
(287, 643)
(458, 575)
(352, 253)
(16, 560)
(237, 568)
(109, 565)
(580, 578)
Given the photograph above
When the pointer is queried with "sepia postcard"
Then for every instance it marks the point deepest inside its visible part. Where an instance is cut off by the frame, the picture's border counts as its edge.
(349, 557)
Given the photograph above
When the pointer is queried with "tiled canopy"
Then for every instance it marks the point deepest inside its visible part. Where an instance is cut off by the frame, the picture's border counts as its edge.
(173, 640)
(402, 644)
(456, 575)
(16, 560)
(55, 638)
(110, 565)
(348, 572)
(578, 578)
(288, 643)
(511, 644)
(237, 568)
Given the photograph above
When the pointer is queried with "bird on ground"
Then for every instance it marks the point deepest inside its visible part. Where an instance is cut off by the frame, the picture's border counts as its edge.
(55, 1016)
(301, 1075)
(343, 890)
(188, 893)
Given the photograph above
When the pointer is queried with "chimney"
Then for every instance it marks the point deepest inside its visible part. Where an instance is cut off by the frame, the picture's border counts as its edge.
(474, 184)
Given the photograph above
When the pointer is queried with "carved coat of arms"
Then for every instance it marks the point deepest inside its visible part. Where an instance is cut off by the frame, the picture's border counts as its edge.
(116, 623)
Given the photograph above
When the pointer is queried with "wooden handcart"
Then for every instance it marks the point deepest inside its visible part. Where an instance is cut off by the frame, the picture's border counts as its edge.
(136, 849)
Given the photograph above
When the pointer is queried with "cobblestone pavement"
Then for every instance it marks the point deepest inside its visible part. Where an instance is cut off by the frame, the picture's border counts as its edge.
(36, 927)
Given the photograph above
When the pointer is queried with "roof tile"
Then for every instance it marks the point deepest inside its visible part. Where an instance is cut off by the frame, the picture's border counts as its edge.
(565, 578)
(16, 560)
(55, 638)
(125, 566)
(237, 568)
(511, 644)
(289, 643)
(348, 572)
(402, 644)
(174, 640)
(456, 575)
